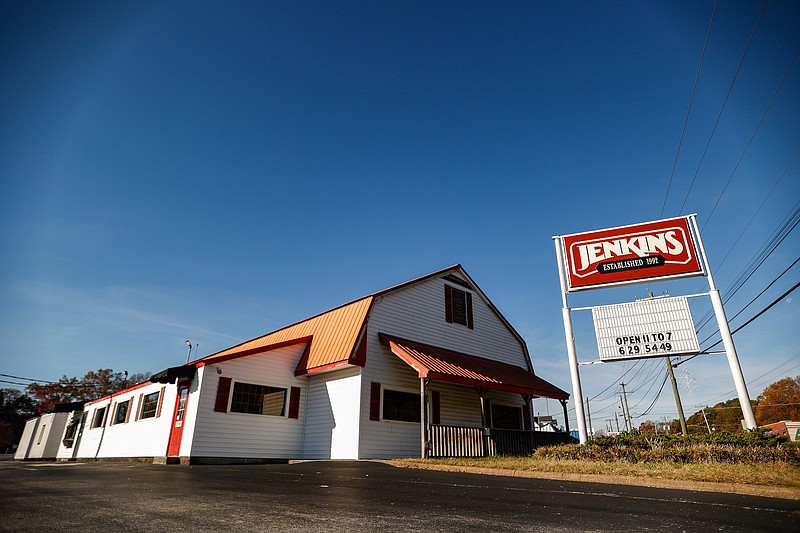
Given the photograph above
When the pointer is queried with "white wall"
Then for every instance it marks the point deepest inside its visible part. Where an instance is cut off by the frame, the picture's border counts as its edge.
(242, 435)
(417, 313)
(26, 441)
(332, 420)
(145, 437)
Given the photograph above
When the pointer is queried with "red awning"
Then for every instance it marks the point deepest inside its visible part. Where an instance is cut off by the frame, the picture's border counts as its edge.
(448, 365)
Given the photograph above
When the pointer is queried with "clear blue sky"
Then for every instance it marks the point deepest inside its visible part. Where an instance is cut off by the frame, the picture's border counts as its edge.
(215, 170)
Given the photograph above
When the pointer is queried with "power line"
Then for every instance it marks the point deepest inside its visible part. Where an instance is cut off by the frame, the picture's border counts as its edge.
(724, 103)
(767, 308)
(790, 222)
(689, 109)
(27, 379)
(752, 136)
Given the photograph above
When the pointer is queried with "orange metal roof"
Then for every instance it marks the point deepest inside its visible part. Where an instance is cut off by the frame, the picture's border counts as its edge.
(456, 367)
(333, 336)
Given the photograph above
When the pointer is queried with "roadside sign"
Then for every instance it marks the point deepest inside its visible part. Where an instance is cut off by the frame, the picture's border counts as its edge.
(662, 249)
(656, 327)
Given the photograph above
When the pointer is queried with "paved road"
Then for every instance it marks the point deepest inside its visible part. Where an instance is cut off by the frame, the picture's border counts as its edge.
(353, 496)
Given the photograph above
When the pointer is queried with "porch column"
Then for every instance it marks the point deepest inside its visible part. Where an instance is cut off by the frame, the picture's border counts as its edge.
(566, 418)
(482, 392)
(423, 416)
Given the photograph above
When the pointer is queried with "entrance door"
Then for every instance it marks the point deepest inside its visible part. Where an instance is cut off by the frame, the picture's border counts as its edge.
(176, 433)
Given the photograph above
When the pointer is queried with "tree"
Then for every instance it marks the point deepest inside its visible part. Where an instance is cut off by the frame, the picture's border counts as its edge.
(15, 409)
(779, 401)
(724, 416)
(93, 385)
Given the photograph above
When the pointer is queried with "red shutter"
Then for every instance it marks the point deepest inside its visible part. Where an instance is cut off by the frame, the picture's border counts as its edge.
(526, 416)
(223, 392)
(160, 401)
(375, 401)
(113, 415)
(105, 416)
(139, 407)
(294, 403)
(435, 413)
(130, 408)
(448, 303)
(470, 325)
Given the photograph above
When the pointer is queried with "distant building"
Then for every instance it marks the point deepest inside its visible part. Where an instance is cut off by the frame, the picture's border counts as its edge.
(784, 428)
(428, 367)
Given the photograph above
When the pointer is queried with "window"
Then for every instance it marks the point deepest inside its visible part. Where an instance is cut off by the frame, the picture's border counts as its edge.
(149, 405)
(257, 399)
(458, 306)
(402, 406)
(99, 417)
(72, 428)
(121, 413)
(506, 417)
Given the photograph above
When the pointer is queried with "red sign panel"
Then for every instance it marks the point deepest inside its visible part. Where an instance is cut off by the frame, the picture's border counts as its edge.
(652, 250)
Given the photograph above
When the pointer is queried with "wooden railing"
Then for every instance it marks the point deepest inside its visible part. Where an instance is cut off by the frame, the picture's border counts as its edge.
(457, 441)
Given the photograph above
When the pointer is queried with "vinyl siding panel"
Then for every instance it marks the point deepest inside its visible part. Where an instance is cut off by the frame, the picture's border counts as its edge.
(417, 312)
(332, 419)
(145, 437)
(244, 435)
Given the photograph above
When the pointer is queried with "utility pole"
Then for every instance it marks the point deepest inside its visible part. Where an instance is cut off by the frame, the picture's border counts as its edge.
(708, 426)
(677, 397)
(625, 411)
(589, 416)
(616, 419)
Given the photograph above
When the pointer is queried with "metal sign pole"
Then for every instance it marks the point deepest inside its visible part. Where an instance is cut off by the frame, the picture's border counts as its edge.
(577, 394)
(727, 338)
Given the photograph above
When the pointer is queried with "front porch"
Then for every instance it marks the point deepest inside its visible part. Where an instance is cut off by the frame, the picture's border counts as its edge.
(503, 430)
(455, 441)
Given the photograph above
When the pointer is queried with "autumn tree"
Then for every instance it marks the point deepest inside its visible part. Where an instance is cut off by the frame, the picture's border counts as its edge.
(724, 416)
(95, 384)
(15, 409)
(779, 401)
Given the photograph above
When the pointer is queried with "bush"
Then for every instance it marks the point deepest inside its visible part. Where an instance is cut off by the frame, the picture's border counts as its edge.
(751, 447)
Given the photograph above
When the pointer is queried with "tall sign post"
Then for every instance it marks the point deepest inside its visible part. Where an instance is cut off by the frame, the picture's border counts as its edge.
(658, 327)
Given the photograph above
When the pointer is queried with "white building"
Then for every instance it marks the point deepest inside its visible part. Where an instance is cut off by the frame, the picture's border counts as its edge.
(428, 367)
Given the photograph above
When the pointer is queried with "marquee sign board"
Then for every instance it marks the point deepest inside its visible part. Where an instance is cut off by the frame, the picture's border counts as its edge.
(662, 249)
(657, 327)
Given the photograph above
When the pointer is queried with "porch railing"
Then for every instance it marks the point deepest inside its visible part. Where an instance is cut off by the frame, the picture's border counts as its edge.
(459, 441)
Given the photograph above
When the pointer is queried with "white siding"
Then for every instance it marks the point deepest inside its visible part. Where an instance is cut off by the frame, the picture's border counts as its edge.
(45, 440)
(25, 442)
(417, 312)
(65, 453)
(332, 420)
(136, 438)
(241, 435)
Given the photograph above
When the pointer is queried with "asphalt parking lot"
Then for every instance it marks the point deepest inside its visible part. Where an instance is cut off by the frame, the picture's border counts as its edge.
(353, 496)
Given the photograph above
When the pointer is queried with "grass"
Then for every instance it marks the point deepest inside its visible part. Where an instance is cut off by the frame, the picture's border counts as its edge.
(748, 459)
(774, 474)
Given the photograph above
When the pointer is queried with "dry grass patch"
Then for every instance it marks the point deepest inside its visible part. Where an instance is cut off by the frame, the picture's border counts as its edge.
(779, 475)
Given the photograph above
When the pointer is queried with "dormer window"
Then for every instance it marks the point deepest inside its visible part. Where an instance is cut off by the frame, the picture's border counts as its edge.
(458, 306)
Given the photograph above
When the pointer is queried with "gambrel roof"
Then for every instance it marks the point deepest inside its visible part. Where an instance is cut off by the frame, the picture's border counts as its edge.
(334, 339)
(333, 336)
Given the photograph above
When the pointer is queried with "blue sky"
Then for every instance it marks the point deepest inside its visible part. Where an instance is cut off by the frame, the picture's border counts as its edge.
(213, 171)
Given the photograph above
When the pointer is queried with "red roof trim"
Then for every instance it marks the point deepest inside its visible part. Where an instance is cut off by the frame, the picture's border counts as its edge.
(118, 393)
(252, 351)
(336, 364)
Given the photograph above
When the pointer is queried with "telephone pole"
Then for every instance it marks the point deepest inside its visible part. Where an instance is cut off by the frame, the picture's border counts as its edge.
(677, 397)
(589, 416)
(625, 411)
